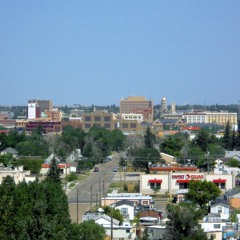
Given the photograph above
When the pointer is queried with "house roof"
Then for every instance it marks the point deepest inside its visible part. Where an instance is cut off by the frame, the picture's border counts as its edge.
(50, 158)
(108, 218)
(149, 213)
(10, 150)
(220, 201)
(124, 202)
(230, 154)
(233, 192)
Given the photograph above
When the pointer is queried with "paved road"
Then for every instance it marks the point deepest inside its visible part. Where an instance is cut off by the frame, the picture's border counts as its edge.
(89, 191)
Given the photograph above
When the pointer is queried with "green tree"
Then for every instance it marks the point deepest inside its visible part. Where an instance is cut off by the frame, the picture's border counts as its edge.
(226, 140)
(34, 165)
(233, 163)
(54, 172)
(149, 138)
(202, 192)
(233, 140)
(87, 230)
(183, 223)
(202, 140)
(144, 157)
(115, 213)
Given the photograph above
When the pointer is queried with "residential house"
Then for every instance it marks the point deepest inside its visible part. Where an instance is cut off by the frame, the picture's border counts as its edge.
(74, 156)
(11, 151)
(17, 173)
(212, 225)
(233, 154)
(233, 197)
(221, 206)
(126, 208)
(49, 159)
(156, 232)
(112, 226)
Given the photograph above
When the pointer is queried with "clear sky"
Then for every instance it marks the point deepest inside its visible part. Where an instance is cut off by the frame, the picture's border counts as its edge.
(98, 51)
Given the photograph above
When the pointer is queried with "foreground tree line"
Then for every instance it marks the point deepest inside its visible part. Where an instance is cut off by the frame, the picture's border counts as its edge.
(39, 210)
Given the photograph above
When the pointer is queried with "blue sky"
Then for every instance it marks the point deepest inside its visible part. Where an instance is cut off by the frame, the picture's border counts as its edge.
(96, 52)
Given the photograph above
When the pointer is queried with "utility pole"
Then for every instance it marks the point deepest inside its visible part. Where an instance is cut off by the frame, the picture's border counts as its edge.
(112, 223)
(77, 205)
(91, 199)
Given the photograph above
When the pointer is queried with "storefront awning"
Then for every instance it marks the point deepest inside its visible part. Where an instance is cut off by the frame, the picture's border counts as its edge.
(155, 180)
(183, 181)
(219, 180)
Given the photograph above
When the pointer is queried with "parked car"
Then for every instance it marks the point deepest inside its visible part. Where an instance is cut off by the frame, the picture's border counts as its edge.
(115, 169)
(96, 169)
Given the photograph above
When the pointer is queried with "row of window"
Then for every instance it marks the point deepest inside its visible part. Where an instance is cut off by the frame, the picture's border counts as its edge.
(182, 185)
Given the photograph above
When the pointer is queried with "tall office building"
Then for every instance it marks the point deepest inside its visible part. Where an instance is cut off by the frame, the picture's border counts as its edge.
(36, 107)
(137, 105)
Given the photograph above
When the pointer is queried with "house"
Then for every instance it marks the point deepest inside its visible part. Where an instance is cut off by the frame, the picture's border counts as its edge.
(156, 232)
(65, 169)
(112, 226)
(126, 208)
(212, 225)
(49, 159)
(221, 206)
(150, 217)
(233, 154)
(11, 151)
(74, 156)
(18, 174)
(233, 196)
(137, 198)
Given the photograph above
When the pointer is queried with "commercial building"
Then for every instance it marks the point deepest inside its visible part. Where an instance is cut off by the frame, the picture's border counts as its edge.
(137, 105)
(220, 118)
(36, 107)
(173, 182)
(98, 118)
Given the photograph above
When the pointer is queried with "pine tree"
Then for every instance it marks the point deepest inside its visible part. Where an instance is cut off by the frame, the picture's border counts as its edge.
(54, 172)
(149, 138)
(226, 141)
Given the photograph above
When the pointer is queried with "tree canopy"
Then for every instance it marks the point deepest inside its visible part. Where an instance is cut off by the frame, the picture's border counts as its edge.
(202, 192)
(183, 223)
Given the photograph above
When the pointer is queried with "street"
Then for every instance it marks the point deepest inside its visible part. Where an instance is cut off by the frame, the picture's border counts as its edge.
(89, 191)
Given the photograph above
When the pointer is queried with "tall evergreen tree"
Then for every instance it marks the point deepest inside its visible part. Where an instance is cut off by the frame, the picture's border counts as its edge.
(149, 138)
(54, 171)
(226, 141)
(233, 141)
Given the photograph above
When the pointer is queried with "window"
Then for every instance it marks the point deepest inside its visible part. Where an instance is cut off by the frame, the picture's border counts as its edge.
(216, 226)
(124, 211)
(107, 125)
(183, 185)
(128, 231)
(97, 119)
(145, 202)
(219, 209)
(125, 125)
(87, 125)
(133, 125)
(87, 118)
(107, 119)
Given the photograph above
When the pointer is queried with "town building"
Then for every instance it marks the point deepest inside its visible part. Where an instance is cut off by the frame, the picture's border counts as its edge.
(137, 105)
(36, 107)
(173, 182)
(98, 118)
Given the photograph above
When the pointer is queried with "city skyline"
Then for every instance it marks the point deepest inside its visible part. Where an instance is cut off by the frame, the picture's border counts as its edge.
(97, 52)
